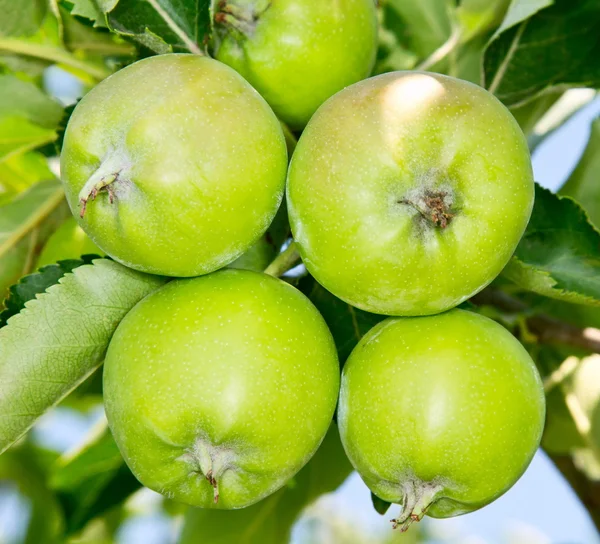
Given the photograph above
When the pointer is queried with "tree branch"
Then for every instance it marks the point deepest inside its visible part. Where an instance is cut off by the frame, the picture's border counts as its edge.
(587, 490)
(547, 329)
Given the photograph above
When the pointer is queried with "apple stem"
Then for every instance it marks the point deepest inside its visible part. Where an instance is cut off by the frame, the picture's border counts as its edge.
(433, 206)
(418, 497)
(285, 261)
(242, 14)
(213, 481)
(241, 19)
(100, 180)
(229, 20)
(211, 461)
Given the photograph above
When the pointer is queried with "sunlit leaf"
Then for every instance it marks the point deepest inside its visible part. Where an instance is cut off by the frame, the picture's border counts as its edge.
(26, 211)
(33, 284)
(18, 135)
(21, 171)
(26, 222)
(73, 323)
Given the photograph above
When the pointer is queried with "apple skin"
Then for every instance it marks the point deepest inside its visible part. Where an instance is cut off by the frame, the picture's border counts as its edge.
(67, 242)
(233, 373)
(199, 159)
(446, 409)
(408, 192)
(298, 53)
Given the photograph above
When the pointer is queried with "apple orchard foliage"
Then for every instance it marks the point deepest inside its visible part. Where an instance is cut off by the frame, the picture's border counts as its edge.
(57, 320)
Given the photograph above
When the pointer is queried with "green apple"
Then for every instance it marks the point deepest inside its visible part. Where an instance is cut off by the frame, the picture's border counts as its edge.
(297, 53)
(441, 414)
(174, 165)
(408, 192)
(219, 389)
(67, 242)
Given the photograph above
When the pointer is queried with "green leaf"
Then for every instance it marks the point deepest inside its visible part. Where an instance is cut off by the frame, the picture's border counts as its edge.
(18, 135)
(21, 171)
(28, 117)
(113, 492)
(33, 284)
(89, 9)
(98, 454)
(92, 479)
(20, 98)
(27, 211)
(73, 323)
(270, 521)
(393, 55)
(519, 11)
(21, 18)
(162, 25)
(68, 241)
(479, 16)
(16, 262)
(420, 26)
(26, 222)
(584, 183)
(81, 37)
(556, 46)
(346, 323)
(380, 506)
(559, 254)
(466, 61)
